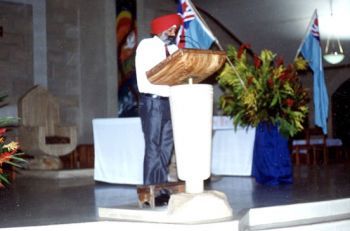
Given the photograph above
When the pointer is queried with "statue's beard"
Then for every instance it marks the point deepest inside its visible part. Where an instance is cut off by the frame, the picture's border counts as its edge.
(168, 40)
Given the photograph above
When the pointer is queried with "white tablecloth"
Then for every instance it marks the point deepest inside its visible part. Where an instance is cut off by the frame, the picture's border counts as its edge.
(119, 149)
(232, 151)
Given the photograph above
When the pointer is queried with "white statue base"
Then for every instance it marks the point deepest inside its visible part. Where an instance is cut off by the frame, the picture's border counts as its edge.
(208, 206)
(183, 208)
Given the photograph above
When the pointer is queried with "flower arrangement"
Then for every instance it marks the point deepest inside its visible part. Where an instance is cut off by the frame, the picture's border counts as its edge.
(263, 90)
(8, 150)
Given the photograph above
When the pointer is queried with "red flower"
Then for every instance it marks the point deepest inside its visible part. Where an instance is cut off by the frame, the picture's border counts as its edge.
(242, 48)
(250, 80)
(270, 82)
(2, 131)
(279, 61)
(284, 77)
(257, 61)
(289, 102)
(6, 156)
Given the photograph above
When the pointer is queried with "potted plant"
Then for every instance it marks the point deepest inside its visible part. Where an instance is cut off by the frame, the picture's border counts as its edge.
(262, 92)
(8, 149)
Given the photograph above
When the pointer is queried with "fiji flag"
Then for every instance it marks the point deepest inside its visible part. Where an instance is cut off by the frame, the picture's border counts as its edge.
(311, 50)
(194, 33)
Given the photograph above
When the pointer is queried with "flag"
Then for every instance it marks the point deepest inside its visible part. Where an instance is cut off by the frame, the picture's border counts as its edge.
(193, 33)
(311, 51)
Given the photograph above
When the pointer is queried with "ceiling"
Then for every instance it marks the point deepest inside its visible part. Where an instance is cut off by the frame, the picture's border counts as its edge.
(280, 25)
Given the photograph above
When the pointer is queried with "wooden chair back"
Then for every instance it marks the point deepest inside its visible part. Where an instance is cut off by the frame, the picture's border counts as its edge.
(317, 143)
(39, 108)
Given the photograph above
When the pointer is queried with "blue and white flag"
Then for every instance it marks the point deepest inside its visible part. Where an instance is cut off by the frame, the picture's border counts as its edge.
(193, 33)
(311, 51)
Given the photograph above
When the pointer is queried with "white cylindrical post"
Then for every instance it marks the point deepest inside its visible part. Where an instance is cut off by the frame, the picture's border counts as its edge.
(191, 113)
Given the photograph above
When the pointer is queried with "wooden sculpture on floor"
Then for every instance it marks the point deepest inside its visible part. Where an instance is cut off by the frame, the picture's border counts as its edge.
(41, 133)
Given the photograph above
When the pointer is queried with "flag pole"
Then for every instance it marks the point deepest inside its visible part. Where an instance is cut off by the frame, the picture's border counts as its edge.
(305, 35)
(216, 41)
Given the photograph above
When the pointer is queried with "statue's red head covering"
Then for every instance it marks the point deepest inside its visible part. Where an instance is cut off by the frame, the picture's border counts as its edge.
(162, 23)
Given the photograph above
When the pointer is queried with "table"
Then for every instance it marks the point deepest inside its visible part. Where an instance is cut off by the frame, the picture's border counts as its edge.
(119, 149)
(232, 151)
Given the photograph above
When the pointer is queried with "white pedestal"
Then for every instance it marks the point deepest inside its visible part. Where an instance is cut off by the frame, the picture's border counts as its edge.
(191, 113)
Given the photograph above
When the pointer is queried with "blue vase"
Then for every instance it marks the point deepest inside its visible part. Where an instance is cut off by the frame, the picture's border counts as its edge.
(271, 156)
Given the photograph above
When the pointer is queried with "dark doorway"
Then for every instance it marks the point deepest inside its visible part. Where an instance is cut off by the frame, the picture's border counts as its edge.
(341, 113)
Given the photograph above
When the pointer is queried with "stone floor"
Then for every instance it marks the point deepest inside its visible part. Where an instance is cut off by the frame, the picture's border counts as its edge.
(32, 201)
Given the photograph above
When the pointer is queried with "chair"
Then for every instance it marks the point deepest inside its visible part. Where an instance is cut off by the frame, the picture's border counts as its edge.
(312, 144)
(317, 142)
(301, 146)
(40, 130)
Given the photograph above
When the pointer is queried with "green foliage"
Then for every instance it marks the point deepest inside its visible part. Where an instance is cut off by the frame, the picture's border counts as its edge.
(265, 90)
